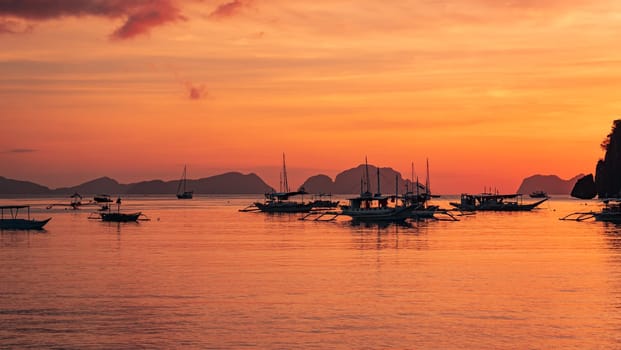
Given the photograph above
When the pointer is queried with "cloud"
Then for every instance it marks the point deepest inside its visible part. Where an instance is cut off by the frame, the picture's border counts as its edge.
(10, 26)
(21, 150)
(196, 92)
(140, 16)
(229, 9)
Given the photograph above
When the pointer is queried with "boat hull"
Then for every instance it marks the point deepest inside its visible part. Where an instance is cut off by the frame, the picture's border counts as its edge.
(284, 207)
(22, 224)
(498, 206)
(120, 217)
(185, 195)
(378, 214)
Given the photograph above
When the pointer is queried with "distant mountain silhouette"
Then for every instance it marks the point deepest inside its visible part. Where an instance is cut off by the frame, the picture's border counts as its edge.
(10, 186)
(349, 181)
(100, 185)
(551, 184)
(228, 183)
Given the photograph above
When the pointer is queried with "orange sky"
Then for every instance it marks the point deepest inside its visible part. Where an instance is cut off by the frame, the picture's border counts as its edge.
(491, 91)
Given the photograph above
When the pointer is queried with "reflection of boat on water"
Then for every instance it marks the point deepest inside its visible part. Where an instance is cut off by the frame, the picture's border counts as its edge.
(538, 194)
(102, 198)
(182, 186)
(15, 223)
(610, 212)
(494, 202)
(280, 202)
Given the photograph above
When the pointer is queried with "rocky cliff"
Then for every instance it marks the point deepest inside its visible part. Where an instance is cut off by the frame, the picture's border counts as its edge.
(608, 170)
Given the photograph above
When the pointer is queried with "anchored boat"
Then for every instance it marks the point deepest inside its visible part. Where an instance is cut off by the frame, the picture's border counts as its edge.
(12, 222)
(610, 212)
(182, 186)
(376, 207)
(280, 202)
(117, 216)
(494, 202)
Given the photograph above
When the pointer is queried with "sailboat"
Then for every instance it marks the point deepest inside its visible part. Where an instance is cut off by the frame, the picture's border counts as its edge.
(279, 202)
(182, 183)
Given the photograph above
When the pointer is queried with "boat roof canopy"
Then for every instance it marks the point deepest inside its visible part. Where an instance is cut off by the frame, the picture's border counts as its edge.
(13, 206)
(493, 196)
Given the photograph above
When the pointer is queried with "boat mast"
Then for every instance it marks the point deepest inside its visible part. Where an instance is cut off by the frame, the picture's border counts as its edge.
(368, 180)
(427, 190)
(285, 184)
(182, 181)
(378, 183)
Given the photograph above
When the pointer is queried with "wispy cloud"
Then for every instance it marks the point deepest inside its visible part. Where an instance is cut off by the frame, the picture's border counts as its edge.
(21, 150)
(229, 9)
(140, 15)
(196, 92)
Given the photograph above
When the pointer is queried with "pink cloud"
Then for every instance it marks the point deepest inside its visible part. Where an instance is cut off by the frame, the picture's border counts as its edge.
(229, 9)
(140, 15)
(196, 92)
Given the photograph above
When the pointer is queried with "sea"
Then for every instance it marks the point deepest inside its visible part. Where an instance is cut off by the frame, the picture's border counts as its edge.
(199, 274)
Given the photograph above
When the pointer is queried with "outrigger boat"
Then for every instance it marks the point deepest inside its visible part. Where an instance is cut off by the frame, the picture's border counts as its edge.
(75, 204)
(611, 212)
(370, 207)
(14, 223)
(117, 216)
(279, 202)
(494, 202)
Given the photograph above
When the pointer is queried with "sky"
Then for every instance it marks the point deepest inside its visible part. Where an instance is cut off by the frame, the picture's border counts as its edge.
(489, 91)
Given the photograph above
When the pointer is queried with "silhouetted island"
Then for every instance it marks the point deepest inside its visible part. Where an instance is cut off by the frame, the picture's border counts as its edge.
(607, 181)
(348, 181)
(228, 183)
(551, 184)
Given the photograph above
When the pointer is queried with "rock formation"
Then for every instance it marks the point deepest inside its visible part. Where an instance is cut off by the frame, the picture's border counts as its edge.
(584, 188)
(608, 170)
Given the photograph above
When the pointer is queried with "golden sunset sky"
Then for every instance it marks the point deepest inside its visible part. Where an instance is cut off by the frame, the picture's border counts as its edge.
(490, 91)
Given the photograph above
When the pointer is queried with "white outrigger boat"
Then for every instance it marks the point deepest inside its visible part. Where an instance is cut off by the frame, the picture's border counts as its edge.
(15, 223)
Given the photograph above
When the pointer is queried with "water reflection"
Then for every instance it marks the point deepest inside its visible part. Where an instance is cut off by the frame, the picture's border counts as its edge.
(388, 235)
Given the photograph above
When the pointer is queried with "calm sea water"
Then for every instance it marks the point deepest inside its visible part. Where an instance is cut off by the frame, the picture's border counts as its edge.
(200, 274)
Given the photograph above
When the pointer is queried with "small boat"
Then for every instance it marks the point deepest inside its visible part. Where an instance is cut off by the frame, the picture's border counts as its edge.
(324, 201)
(182, 186)
(494, 202)
(280, 202)
(538, 194)
(14, 223)
(120, 217)
(75, 204)
(102, 198)
(116, 216)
